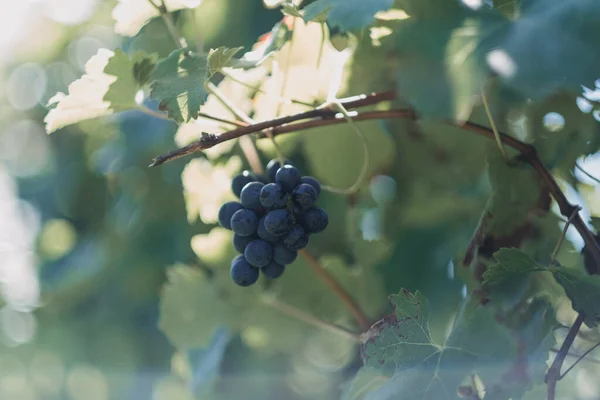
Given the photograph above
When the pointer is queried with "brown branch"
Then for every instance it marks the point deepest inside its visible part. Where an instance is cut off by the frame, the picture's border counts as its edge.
(324, 116)
(553, 375)
(208, 141)
(337, 289)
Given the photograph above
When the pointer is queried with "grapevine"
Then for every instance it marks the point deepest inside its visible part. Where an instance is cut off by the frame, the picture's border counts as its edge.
(387, 199)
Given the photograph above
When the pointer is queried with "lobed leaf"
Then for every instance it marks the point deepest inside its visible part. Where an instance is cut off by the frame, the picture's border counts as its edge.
(510, 263)
(110, 83)
(477, 344)
(583, 290)
(220, 57)
(179, 84)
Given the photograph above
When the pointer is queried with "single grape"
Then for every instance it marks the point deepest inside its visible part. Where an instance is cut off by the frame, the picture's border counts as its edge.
(226, 212)
(304, 195)
(238, 182)
(312, 182)
(273, 196)
(278, 222)
(242, 272)
(244, 222)
(272, 168)
(263, 234)
(258, 253)
(240, 242)
(288, 176)
(273, 270)
(315, 220)
(250, 197)
(296, 239)
(282, 255)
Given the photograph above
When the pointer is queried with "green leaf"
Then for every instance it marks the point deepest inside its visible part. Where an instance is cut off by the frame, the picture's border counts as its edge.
(179, 84)
(510, 263)
(595, 221)
(190, 310)
(541, 70)
(132, 73)
(442, 62)
(477, 343)
(534, 334)
(365, 381)
(280, 34)
(346, 14)
(515, 192)
(583, 290)
(110, 83)
(220, 57)
(291, 10)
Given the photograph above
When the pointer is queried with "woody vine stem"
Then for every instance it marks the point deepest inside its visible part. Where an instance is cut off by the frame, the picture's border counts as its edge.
(328, 114)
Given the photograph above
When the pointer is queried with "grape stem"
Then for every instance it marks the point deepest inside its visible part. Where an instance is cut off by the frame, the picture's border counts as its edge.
(325, 116)
(336, 288)
(309, 318)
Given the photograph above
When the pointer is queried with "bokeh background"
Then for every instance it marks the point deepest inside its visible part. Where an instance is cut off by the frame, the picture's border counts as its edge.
(87, 230)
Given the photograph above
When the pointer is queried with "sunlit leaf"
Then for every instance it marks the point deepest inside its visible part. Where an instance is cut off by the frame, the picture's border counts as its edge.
(268, 44)
(109, 85)
(131, 15)
(219, 58)
(179, 84)
(207, 186)
(132, 73)
(346, 14)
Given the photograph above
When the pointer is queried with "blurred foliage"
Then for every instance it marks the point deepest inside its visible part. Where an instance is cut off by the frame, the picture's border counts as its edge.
(116, 278)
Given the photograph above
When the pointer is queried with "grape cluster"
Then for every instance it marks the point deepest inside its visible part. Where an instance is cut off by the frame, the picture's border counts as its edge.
(272, 220)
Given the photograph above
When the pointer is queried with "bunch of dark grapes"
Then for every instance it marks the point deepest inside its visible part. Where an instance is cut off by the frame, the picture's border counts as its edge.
(272, 220)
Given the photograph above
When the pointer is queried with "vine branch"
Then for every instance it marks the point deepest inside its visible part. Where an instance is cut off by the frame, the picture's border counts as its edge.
(337, 289)
(324, 116)
(310, 319)
(553, 375)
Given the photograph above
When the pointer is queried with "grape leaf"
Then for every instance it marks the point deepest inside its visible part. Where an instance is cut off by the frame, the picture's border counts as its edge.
(583, 290)
(179, 84)
(540, 70)
(442, 60)
(509, 263)
(131, 15)
(190, 312)
(291, 10)
(346, 14)
(270, 43)
(110, 83)
(535, 339)
(200, 175)
(366, 380)
(477, 343)
(132, 73)
(219, 58)
(515, 191)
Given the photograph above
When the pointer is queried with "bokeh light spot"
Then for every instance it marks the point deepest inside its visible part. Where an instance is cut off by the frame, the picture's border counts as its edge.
(57, 239)
(554, 122)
